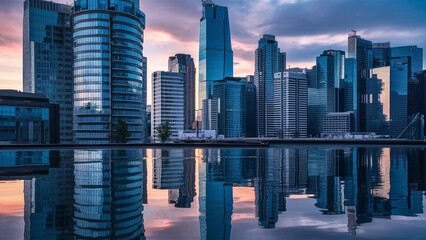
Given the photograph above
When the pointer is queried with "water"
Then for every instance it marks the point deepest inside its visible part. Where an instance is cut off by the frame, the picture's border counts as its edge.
(275, 193)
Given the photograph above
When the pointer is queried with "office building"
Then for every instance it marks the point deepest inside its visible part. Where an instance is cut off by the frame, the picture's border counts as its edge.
(361, 50)
(416, 94)
(184, 63)
(338, 123)
(28, 118)
(210, 114)
(328, 91)
(108, 70)
(350, 86)
(414, 57)
(215, 52)
(387, 100)
(167, 102)
(381, 54)
(236, 101)
(268, 61)
(291, 105)
(47, 58)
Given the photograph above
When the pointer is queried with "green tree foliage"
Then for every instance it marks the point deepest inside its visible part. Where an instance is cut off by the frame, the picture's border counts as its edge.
(164, 131)
(121, 132)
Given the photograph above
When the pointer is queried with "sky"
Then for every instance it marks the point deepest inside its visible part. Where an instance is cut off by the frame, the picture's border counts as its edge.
(304, 28)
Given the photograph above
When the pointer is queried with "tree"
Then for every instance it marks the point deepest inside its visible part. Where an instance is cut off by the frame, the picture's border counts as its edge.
(121, 132)
(164, 131)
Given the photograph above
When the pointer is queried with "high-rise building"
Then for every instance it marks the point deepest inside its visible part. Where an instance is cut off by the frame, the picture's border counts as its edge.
(108, 70)
(184, 63)
(47, 57)
(210, 114)
(414, 57)
(330, 82)
(387, 99)
(167, 101)
(361, 50)
(381, 54)
(215, 53)
(350, 86)
(416, 94)
(236, 99)
(291, 105)
(268, 61)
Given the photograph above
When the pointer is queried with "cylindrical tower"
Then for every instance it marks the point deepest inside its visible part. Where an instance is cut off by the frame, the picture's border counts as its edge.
(108, 70)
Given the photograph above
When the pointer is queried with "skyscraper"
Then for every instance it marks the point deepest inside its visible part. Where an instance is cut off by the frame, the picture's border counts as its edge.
(361, 50)
(268, 60)
(381, 54)
(235, 101)
(330, 82)
(414, 57)
(108, 70)
(183, 63)
(167, 101)
(291, 105)
(47, 57)
(391, 92)
(215, 53)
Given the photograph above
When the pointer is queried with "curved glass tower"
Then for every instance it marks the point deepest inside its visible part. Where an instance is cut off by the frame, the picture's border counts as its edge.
(216, 56)
(108, 70)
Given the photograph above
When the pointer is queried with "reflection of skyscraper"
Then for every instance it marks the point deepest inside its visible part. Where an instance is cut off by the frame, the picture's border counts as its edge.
(184, 195)
(108, 194)
(49, 201)
(215, 199)
(216, 56)
(266, 188)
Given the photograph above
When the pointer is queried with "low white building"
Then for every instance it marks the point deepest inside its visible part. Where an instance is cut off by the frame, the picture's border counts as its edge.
(192, 134)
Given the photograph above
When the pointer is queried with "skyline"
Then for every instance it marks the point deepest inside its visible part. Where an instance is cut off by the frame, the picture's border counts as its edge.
(305, 35)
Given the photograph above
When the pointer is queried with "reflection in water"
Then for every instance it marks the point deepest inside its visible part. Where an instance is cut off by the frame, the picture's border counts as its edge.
(98, 194)
(108, 194)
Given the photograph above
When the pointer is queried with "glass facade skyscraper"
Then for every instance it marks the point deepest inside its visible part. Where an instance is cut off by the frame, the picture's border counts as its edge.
(215, 53)
(268, 61)
(387, 99)
(108, 70)
(414, 56)
(361, 50)
(328, 90)
(235, 105)
(184, 63)
(47, 57)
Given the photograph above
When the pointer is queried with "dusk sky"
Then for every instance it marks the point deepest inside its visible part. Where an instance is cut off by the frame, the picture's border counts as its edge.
(304, 28)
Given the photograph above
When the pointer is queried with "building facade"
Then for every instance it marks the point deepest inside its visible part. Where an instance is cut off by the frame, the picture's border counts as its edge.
(210, 108)
(291, 105)
(47, 57)
(215, 52)
(362, 51)
(108, 70)
(167, 102)
(387, 91)
(184, 63)
(268, 60)
(338, 123)
(27, 118)
(236, 99)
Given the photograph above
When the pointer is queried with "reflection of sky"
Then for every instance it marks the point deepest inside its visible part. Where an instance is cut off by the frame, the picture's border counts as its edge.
(11, 210)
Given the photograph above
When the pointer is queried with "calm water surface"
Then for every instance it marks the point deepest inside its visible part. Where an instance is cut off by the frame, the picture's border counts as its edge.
(214, 194)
